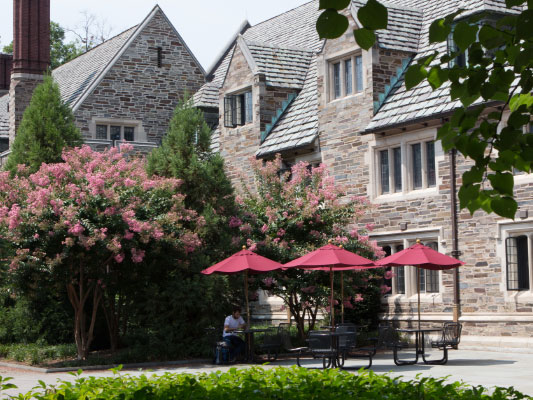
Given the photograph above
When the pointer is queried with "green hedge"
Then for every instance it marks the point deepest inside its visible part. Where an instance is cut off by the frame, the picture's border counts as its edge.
(37, 353)
(257, 383)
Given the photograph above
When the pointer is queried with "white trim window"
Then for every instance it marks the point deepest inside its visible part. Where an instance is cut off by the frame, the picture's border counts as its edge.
(112, 131)
(404, 281)
(405, 167)
(518, 261)
(345, 76)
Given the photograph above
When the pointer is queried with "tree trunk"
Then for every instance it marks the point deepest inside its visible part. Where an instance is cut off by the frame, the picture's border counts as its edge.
(112, 318)
(78, 299)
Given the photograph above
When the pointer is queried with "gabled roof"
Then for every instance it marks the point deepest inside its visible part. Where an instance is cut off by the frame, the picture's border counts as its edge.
(282, 66)
(294, 29)
(79, 77)
(403, 106)
(298, 126)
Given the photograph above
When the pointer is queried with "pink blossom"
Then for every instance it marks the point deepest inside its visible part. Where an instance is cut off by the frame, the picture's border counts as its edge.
(264, 228)
(281, 232)
(137, 255)
(385, 289)
(119, 257)
(234, 222)
(129, 182)
(309, 289)
(358, 298)
(77, 229)
(128, 235)
(268, 281)
(389, 274)
(369, 227)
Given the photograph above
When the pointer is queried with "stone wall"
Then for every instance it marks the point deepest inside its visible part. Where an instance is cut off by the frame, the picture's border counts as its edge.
(136, 89)
(384, 67)
(20, 93)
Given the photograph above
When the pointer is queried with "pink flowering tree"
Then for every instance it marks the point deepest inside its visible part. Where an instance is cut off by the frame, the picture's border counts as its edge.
(91, 222)
(290, 214)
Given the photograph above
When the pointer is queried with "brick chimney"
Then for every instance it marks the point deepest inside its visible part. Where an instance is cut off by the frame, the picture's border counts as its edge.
(6, 61)
(31, 55)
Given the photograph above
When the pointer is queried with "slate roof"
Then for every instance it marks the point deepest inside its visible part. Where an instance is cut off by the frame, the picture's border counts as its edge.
(298, 126)
(282, 66)
(4, 116)
(207, 95)
(402, 107)
(76, 76)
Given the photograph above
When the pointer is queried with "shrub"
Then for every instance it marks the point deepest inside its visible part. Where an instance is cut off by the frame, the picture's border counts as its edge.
(278, 383)
(36, 353)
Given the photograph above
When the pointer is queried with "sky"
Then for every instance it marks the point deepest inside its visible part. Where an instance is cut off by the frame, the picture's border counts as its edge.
(205, 25)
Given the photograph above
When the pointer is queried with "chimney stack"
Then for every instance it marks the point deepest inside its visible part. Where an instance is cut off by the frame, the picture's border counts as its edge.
(6, 61)
(31, 55)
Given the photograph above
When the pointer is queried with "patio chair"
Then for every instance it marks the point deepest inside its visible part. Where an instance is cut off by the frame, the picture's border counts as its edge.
(272, 344)
(347, 347)
(320, 346)
(451, 336)
(284, 332)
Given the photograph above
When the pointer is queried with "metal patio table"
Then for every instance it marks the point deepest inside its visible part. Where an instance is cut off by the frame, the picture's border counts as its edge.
(419, 345)
(249, 341)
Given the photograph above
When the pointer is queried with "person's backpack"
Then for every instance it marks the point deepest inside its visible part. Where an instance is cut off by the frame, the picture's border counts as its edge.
(222, 353)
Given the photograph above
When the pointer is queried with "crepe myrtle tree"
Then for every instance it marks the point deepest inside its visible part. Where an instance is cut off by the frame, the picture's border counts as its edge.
(495, 79)
(289, 214)
(87, 222)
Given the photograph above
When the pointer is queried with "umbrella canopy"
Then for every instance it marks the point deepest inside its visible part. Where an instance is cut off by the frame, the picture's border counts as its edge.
(420, 256)
(244, 260)
(331, 258)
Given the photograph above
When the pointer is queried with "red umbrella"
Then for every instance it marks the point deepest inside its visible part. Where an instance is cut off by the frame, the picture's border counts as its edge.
(244, 260)
(420, 256)
(332, 258)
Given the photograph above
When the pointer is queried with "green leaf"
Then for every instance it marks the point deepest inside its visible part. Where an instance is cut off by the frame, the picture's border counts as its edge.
(490, 37)
(331, 25)
(415, 74)
(464, 35)
(520, 99)
(365, 38)
(524, 25)
(373, 15)
(335, 4)
(504, 206)
(517, 119)
(502, 182)
(439, 31)
(437, 76)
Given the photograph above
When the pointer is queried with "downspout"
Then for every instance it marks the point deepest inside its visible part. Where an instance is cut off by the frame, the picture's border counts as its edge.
(455, 235)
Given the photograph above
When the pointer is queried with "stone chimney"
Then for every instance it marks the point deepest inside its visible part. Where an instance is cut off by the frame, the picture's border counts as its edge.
(31, 55)
(6, 61)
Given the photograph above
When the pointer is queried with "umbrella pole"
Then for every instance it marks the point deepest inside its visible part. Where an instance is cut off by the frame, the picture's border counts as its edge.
(342, 297)
(246, 297)
(418, 290)
(331, 305)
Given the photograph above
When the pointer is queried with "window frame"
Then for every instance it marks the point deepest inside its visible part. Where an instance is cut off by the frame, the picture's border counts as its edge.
(111, 124)
(238, 108)
(339, 81)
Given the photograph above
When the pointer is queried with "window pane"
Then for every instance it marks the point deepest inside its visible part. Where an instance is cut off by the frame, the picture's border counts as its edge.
(115, 132)
(522, 262)
(384, 170)
(400, 280)
(430, 171)
(337, 80)
(101, 131)
(348, 76)
(397, 155)
(248, 107)
(240, 109)
(359, 73)
(417, 166)
(129, 133)
(228, 122)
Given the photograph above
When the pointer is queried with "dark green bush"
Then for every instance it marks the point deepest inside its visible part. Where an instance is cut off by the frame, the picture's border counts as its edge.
(257, 383)
(36, 353)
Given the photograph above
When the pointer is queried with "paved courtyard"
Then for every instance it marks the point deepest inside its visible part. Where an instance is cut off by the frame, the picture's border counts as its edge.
(474, 367)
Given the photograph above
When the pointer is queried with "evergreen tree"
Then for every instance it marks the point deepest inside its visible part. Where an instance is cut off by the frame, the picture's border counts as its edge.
(47, 127)
(185, 154)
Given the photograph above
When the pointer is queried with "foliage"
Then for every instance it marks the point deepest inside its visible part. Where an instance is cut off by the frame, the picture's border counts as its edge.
(46, 128)
(36, 353)
(497, 77)
(258, 383)
(292, 214)
(60, 52)
(89, 223)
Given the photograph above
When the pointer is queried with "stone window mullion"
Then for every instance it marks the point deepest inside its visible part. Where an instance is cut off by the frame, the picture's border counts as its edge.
(341, 78)
(406, 185)
(423, 155)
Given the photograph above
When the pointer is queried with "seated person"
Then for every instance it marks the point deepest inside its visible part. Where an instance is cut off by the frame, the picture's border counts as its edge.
(232, 323)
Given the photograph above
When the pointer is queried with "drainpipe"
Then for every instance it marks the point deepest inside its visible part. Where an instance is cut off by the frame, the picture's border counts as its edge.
(455, 235)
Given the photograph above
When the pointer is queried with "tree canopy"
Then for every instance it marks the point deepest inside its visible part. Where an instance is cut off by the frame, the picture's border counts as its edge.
(47, 127)
(496, 79)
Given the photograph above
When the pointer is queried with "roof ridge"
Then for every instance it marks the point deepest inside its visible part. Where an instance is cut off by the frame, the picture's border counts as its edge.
(275, 46)
(98, 45)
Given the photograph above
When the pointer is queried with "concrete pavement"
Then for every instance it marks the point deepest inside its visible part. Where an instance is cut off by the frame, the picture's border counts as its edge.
(473, 367)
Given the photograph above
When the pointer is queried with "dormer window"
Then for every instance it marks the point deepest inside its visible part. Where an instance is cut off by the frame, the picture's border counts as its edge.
(238, 109)
(461, 60)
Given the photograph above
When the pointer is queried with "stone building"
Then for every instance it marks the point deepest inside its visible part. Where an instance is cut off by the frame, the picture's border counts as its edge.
(278, 88)
(124, 89)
